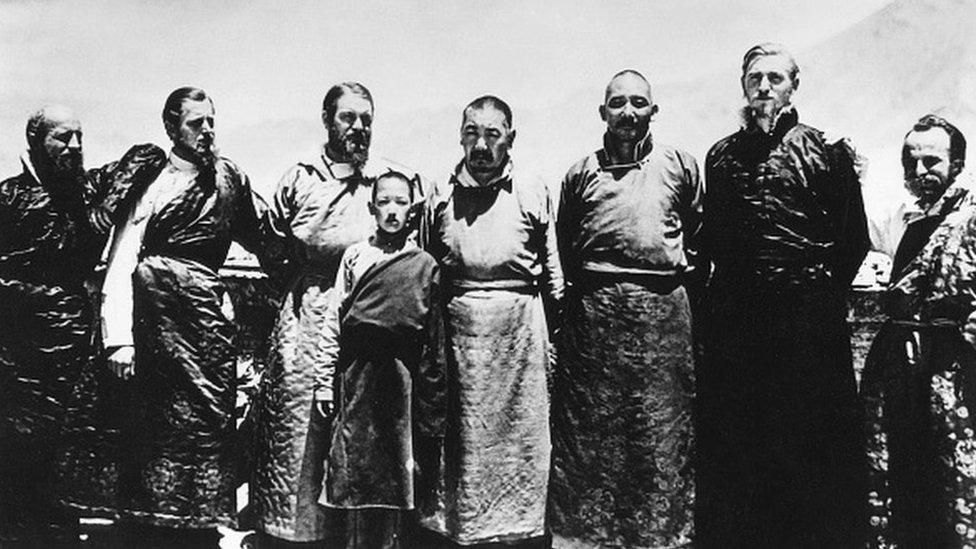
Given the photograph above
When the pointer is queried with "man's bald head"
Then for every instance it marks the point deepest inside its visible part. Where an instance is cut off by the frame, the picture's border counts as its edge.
(626, 75)
(54, 140)
(46, 117)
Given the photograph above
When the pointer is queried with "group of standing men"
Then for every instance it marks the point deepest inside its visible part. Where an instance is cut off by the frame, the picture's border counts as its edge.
(642, 429)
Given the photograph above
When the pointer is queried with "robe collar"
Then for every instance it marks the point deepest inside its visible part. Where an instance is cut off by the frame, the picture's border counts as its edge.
(463, 178)
(326, 168)
(29, 166)
(182, 165)
(641, 151)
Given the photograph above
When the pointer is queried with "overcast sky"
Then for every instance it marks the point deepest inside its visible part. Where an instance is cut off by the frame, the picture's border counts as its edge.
(272, 60)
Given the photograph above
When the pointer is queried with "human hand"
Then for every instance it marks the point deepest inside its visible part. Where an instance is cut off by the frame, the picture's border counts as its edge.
(122, 362)
(969, 330)
(324, 408)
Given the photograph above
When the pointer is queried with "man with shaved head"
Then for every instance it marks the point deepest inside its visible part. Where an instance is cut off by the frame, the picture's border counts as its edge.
(778, 432)
(629, 216)
(492, 230)
(54, 220)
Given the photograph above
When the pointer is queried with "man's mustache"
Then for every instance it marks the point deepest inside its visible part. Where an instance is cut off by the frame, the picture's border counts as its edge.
(356, 137)
(482, 155)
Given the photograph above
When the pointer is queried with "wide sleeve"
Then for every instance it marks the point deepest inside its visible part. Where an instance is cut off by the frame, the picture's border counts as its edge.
(328, 343)
(852, 238)
(430, 379)
(277, 258)
(691, 206)
(552, 266)
(567, 228)
(115, 187)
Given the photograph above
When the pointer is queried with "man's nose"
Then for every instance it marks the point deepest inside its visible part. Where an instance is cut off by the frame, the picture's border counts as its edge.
(75, 142)
(481, 144)
(357, 124)
(764, 85)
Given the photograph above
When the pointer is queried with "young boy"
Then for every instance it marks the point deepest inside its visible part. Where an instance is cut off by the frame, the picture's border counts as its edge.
(389, 377)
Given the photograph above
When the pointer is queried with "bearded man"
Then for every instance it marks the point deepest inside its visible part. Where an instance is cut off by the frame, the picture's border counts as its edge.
(628, 222)
(320, 208)
(54, 220)
(918, 374)
(164, 330)
(778, 433)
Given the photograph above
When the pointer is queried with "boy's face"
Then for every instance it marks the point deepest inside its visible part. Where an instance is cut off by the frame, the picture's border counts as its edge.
(391, 204)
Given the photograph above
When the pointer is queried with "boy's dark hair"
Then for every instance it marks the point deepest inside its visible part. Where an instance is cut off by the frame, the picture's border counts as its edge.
(393, 174)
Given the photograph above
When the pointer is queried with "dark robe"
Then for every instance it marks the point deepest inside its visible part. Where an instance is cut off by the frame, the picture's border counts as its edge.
(779, 453)
(179, 466)
(51, 237)
(391, 383)
(919, 385)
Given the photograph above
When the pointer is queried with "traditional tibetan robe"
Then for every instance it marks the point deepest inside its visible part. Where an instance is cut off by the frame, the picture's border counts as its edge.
(50, 242)
(919, 386)
(179, 468)
(319, 210)
(624, 386)
(389, 374)
(780, 463)
(497, 249)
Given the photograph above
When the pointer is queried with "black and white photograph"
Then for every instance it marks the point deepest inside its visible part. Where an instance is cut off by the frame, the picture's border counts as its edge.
(487, 275)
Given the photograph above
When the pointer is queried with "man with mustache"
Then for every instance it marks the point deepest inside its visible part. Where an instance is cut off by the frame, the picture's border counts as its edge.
(321, 207)
(628, 222)
(779, 459)
(164, 330)
(493, 232)
(915, 386)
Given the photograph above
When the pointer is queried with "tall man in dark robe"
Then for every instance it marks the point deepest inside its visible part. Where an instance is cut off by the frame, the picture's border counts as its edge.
(54, 220)
(165, 331)
(916, 383)
(45, 321)
(778, 438)
(627, 226)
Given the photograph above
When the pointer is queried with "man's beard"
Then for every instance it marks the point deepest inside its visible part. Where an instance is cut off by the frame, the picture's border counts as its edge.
(62, 173)
(764, 115)
(927, 188)
(352, 147)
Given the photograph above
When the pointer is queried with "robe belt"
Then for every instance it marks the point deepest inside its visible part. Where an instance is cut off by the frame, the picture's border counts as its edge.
(516, 285)
(657, 282)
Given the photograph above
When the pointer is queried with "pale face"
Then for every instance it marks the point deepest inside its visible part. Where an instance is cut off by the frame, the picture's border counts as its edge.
(627, 108)
(351, 129)
(486, 139)
(928, 170)
(193, 138)
(391, 204)
(62, 142)
(767, 85)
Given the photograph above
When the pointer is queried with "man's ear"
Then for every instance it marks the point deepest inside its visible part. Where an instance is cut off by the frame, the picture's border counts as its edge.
(371, 206)
(511, 138)
(955, 168)
(170, 130)
(603, 113)
(796, 84)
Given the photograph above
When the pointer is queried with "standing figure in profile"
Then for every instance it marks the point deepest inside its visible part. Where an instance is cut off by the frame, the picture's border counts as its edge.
(628, 222)
(779, 445)
(320, 208)
(492, 231)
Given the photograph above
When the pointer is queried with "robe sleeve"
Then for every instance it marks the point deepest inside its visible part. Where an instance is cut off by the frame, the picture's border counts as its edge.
(849, 219)
(328, 351)
(430, 380)
(692, 198)
(277, 256)
(567, 229)
(552, 267)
